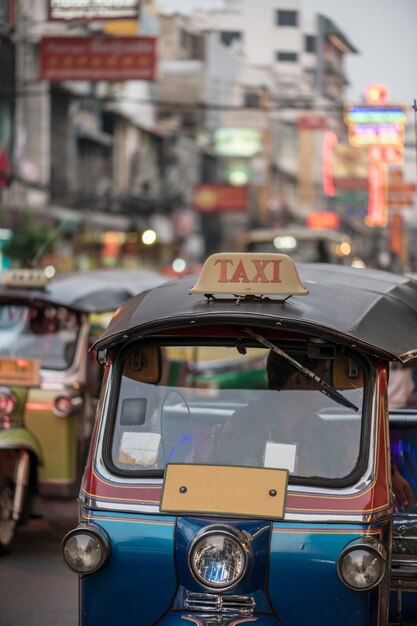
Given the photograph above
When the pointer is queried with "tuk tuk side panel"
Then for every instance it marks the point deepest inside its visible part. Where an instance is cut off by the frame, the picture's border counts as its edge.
(303, 564)
(138, 582)
(56, 435)
(402, 605)
(403, 598)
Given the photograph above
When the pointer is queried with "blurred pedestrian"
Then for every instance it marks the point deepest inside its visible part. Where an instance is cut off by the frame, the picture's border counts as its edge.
(400, 386)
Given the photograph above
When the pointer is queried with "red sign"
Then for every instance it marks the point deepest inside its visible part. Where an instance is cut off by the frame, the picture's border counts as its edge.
(400, 201)
(323, 219)
(93, 10)
(219, 198)
(312, 122)
(388, 154)
(396, 234)
(352, 183)
(402, 187)
(98, 58)
(4, 167)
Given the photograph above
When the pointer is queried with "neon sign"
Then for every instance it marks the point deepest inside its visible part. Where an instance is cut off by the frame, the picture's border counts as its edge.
(355, 114)
(363, 135)
(377, 204)
(329, 143)
(376, 93)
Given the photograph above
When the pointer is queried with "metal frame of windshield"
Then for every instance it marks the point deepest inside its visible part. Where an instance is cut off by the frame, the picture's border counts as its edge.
(332, 483)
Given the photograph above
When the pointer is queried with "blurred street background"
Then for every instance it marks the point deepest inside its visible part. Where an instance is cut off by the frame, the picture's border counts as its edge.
(36, 586)
(151, 134)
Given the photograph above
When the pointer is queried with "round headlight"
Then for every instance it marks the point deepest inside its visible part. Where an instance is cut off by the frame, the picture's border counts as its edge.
(361, 566)
(7, 401)
(66, 405)
(86, 548)
(219, 558)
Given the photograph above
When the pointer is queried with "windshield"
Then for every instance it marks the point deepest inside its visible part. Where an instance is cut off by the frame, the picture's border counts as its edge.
(237, 405)
(47, 333)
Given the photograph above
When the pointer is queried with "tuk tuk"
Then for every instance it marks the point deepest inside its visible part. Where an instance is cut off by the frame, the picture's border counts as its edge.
(48, 381)
(240, 469)
(303, 244)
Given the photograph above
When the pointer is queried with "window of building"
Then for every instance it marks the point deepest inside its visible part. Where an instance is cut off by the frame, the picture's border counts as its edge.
(230, 36)
(287, 18)
(184, 38)
(288, 57)
(310, 43)
(252, 100)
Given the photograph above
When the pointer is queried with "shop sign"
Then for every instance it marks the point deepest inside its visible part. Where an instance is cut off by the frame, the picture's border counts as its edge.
(398, 202)
(351, 184)
(311, 122)
(388, 114)
(237, 142)
(218, 198)
(386, 154)
(363, 135)
(323, 219)
(86, 10)
(396, 234)
(377, 201)
(402, 187)
(98, 58)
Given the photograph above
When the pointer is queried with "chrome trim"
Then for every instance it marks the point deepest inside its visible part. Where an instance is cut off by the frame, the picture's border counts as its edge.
(404, 567)
(90, 502)
(21, 481)
(241, 605)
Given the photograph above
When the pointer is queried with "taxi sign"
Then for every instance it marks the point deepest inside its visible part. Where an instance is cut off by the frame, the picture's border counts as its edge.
(249, 274)
(25, 278)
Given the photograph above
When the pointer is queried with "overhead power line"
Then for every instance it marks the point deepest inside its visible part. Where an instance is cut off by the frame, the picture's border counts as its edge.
(277, 103)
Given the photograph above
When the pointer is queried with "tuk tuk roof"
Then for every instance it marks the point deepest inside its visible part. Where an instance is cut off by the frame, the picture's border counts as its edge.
(93, 291)
(374, 310)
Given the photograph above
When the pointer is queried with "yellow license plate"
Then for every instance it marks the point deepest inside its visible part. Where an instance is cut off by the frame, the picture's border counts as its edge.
(19, 371)
(225, 490)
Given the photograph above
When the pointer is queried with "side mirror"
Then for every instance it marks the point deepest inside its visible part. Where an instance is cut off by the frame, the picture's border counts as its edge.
(144, 364)
(101, 357)
(346, 373)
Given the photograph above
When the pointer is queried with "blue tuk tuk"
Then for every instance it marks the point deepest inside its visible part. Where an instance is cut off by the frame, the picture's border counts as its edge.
(240, 466)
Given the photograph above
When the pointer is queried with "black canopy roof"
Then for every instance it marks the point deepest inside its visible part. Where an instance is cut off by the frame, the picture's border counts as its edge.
(92, 291)
(372, 309)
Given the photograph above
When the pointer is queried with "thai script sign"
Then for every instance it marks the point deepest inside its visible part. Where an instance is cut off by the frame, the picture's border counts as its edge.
(218, 198)
(98, 58)
(93, 9)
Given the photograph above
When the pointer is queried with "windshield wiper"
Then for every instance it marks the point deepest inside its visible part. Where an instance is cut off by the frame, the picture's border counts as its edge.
(325, 388)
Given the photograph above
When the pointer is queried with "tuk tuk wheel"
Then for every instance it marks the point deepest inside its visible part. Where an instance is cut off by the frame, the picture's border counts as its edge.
(7, 523)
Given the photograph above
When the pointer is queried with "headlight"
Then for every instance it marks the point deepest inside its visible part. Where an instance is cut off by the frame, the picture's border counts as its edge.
(219, 557)
(86, 548)
(7, 401)
(66, 405)
(361, 564)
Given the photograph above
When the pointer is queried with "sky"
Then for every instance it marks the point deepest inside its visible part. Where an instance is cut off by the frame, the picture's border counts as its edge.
(383, 31)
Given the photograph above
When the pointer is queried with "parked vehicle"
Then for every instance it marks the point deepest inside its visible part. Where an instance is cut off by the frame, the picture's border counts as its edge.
(49, 382)
(240, 469)
(304, 245)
